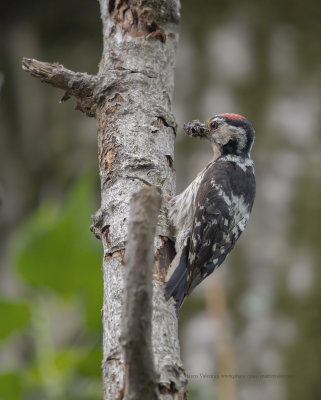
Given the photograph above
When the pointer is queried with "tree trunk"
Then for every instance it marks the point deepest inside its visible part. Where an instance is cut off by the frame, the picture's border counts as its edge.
(131, 100)
(137, 138)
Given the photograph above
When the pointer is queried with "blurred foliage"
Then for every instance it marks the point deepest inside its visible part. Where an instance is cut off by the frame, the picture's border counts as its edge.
(303, 358)
(61, 253)
(57, 320)
(307, 208)
(10, 386)
(16, 316)
(197, 393)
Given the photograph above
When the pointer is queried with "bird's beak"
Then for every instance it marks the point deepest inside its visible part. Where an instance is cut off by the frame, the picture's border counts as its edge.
(196, 129)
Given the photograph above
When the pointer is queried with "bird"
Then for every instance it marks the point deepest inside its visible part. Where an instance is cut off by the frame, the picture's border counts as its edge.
(208, 217)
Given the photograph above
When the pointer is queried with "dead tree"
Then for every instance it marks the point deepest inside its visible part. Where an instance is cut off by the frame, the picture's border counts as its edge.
(130, 98)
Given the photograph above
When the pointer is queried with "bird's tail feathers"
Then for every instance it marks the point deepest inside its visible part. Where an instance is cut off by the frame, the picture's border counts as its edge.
(176, 284)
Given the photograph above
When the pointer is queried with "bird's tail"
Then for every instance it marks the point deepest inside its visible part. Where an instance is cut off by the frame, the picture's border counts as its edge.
(176, 285)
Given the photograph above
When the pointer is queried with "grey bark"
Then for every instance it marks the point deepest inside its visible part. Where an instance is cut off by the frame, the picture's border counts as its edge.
(131, 98)
(137, 315)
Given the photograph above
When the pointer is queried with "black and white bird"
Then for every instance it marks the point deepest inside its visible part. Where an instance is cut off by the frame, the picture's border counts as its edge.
(209, 216)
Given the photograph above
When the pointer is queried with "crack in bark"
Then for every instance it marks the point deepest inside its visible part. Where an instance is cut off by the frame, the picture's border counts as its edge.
(160, 121)
(170, 161)
(137, 18)
(132, 71)
(116, 253)
(173, 392)
(117, 98)
(167, 120)
(163, 257)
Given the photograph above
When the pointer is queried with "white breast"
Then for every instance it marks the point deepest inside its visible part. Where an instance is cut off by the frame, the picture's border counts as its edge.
(181, 211)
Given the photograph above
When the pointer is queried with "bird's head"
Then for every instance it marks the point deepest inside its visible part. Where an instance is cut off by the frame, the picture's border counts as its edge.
(229, 133)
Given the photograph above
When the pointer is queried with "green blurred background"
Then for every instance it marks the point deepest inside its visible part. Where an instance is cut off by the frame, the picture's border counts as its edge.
(258, 316)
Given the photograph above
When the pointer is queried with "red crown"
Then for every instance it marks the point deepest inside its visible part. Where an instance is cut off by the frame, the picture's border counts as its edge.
(231, 116)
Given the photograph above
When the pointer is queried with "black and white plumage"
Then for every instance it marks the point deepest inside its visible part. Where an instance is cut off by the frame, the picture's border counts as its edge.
(209, 216)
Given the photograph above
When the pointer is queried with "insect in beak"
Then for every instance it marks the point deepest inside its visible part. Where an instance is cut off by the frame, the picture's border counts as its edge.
(196, 129)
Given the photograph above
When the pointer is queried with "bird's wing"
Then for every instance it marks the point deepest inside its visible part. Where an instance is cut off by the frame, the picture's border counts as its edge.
(211, 238)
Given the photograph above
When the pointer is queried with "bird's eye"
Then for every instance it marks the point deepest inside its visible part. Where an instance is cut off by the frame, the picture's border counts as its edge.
(213, 125)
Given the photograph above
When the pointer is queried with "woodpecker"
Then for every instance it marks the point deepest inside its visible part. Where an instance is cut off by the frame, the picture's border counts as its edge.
(209, 216)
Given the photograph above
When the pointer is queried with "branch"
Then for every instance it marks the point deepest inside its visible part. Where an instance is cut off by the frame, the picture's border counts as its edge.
(137, 315)
(77, 84)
